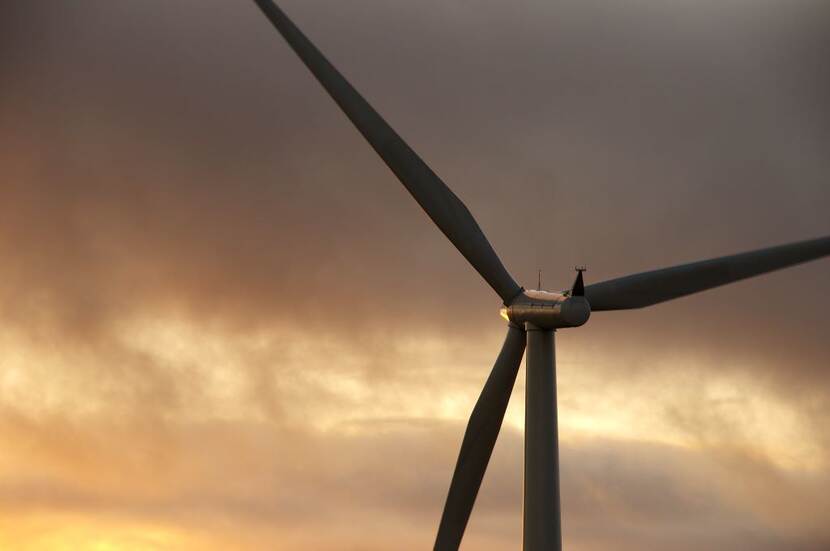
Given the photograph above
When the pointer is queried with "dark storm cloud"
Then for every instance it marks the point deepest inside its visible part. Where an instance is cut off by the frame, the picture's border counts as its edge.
(660, 139)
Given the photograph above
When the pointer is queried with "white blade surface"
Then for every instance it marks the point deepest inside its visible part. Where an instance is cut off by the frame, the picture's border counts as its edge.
(479, 440)
(647, 288)
(439, 202)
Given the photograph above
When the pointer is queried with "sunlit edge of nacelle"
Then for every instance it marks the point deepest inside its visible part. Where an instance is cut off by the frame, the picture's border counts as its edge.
(547, 310)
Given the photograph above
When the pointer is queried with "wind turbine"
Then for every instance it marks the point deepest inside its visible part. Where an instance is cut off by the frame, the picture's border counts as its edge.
(532, 316)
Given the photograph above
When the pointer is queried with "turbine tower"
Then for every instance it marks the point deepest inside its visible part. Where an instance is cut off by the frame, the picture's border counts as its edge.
(533, 316)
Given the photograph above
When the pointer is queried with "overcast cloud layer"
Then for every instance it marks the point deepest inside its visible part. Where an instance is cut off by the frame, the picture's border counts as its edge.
(224, 324)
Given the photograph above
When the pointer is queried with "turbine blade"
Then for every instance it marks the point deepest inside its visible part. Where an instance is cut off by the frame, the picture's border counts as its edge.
(479, 439)
(647, 288)
(439, 202)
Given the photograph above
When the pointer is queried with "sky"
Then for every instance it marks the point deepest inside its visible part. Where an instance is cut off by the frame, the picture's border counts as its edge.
(225, 325)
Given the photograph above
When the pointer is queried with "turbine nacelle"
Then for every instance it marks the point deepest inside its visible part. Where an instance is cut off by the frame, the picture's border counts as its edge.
(547, 310)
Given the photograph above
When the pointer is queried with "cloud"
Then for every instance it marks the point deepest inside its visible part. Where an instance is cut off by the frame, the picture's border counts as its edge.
(389, 479)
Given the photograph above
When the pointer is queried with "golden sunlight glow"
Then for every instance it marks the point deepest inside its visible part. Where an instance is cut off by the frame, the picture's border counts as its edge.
(342, 388)
(66, 532)
(432, 379)
(429, 383)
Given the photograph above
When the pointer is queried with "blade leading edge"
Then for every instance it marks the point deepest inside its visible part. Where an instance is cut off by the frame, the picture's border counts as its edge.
(647, 288)
(439, 202)
(479, 440)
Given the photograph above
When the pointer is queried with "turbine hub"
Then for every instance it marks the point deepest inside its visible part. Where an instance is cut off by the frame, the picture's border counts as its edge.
(547, 310)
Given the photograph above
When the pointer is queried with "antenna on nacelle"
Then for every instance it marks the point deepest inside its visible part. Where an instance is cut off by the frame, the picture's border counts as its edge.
(539, 284)
(578, 289)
